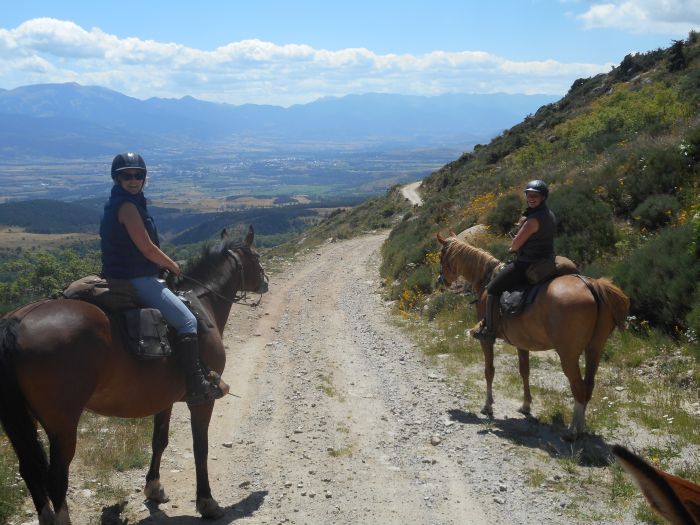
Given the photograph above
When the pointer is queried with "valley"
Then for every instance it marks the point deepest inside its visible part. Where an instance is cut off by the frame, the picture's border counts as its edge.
(225, 178)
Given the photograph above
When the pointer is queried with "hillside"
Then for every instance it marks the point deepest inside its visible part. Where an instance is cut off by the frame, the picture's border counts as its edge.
(621, 152)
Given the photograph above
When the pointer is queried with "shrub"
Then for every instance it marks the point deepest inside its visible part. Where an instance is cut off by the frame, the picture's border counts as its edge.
(503, 216)
(421, 279)
(585, 227)
(656, 211)
(661, 278)
(646, 171)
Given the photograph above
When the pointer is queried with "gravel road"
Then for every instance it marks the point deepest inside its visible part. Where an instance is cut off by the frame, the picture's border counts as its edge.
(341, 419)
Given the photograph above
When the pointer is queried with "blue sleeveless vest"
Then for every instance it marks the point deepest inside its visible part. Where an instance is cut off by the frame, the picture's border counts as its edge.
(121, 258)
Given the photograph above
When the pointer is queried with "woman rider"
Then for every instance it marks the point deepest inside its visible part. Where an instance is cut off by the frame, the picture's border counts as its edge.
(533, 241)
(131, 251)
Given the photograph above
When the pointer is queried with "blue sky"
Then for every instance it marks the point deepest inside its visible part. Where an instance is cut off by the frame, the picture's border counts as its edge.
(285, 52)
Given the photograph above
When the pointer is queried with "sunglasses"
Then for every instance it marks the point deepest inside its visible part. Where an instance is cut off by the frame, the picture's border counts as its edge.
(132, 176)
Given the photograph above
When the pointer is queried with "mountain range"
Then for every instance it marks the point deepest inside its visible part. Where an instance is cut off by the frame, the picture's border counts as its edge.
(70, 120)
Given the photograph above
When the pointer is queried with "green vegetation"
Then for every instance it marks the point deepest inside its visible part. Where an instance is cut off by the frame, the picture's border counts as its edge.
(36, 275)
(621, 153)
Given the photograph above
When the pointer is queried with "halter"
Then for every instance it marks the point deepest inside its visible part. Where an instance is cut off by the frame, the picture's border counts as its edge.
(243, 295)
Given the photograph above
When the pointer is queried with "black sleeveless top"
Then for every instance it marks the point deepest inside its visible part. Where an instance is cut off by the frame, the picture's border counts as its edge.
(540, 245)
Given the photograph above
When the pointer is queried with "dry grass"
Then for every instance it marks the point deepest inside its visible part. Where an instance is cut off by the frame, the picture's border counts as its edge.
(13, 237)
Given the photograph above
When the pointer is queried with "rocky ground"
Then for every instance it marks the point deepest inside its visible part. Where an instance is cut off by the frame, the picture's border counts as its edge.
(341, 419)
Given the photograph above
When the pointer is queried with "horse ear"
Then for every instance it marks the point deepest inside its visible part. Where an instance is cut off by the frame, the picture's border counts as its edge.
(224, 234)
(657, 486)
(250, 236)
(440, 238)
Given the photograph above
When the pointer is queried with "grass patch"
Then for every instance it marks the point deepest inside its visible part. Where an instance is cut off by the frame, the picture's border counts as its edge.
(621, 488)
(555, 408)
(442, 330)
(646, 515)
(12, 487)
(535, 477)
(341, 452)
(108, 444)
(327, 386)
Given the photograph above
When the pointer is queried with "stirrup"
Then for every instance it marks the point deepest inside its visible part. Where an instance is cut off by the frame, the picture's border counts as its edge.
(218, 383)
(482, 333)
(202, 393)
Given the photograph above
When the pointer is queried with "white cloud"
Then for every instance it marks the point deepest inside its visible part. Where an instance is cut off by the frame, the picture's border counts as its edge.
(50, 50)
(673, 17)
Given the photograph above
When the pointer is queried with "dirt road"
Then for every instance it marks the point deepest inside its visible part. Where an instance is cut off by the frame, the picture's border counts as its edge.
(341, 419)
(410, 192)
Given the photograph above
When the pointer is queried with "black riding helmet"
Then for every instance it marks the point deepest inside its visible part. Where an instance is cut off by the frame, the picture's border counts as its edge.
(538, 186)
(127, 161)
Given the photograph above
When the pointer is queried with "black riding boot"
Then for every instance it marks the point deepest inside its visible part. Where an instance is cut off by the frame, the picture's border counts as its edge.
(199, 389)
(486, 331)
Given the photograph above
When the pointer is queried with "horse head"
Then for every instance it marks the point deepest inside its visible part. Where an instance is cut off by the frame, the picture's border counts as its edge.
(253, 277)
(459, 258)
(447, 274)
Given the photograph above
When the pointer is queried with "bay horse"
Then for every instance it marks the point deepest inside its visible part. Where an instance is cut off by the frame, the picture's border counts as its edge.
(674, 498)
(61, 357)
(566, 316)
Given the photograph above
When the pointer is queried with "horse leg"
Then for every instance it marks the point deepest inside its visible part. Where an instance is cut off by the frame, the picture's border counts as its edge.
(33, 465)
(161, 425)
(200, 415)
(524, 367)
(62, 450)
(592, 355)
(569, 364)
(489, 372)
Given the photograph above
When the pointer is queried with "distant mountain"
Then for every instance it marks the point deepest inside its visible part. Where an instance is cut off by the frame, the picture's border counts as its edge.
(70, 120)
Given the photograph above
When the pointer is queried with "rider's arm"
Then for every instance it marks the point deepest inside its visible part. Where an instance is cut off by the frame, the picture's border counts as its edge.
(529, 227)
(130, 218)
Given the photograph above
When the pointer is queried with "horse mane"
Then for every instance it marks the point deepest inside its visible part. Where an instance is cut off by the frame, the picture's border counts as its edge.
(469, 261)
(207, 267)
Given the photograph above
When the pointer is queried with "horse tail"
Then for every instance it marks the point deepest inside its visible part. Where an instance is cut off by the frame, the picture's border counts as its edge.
(614, 298)
(15, 417)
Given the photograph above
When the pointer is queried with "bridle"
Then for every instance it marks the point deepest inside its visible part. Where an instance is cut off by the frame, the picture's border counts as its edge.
(238, 296)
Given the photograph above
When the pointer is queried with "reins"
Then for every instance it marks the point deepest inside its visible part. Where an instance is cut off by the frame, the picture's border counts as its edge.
(236, 299)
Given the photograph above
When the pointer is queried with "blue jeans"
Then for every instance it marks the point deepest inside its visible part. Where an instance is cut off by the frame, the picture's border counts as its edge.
(154, 294)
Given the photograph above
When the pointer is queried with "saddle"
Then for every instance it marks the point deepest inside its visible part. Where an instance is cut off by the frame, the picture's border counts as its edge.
(513, 302)
(145, 331)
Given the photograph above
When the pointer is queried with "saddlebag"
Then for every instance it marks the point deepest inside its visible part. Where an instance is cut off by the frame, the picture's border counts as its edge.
(147, 333)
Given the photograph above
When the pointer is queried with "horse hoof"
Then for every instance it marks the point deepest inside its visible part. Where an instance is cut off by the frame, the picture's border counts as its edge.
(487, 411)
(209, 508)
(155, 492)
(46, 516)
(524, 411)
(62, 517)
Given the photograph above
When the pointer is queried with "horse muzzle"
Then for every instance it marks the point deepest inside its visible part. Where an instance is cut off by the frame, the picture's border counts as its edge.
(264, 286)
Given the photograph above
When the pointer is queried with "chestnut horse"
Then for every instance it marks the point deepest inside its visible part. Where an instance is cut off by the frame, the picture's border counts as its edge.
(674, 498)
(61, 357)
(565, 316)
